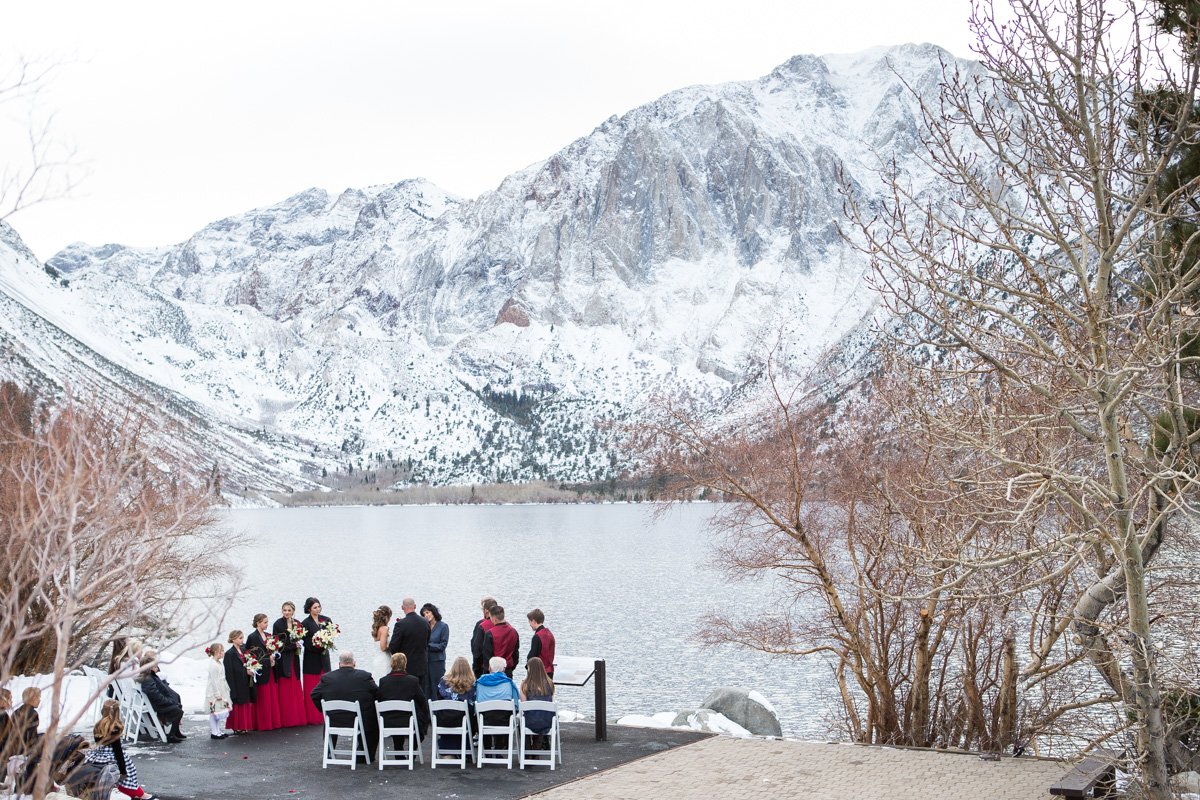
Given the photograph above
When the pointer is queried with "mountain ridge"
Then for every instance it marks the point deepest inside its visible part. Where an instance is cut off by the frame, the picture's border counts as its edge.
(398, 324)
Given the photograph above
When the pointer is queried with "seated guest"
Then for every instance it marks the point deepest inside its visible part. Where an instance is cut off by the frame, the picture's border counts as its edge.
(399, 685)
(356, 685)
(108, 750)
(457, 684)
(5, 723)
(538, 686)
(23, 725)
(165, 701)
(131, 658)
(496, 685)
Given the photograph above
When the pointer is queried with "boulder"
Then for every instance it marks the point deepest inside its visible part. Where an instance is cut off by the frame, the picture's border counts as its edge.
(681, 719)
(1186, 782)
(747, 708)
(709, 721)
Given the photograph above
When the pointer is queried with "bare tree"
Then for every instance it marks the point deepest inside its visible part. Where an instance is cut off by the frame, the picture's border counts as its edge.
(853, 516)
(101, 534)
(40, 165)
(1055, 314)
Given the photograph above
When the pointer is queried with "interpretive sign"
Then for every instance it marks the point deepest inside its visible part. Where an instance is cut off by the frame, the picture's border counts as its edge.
(577, 671)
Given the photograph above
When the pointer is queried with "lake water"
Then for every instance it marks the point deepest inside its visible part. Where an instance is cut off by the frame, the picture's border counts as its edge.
(615, 582)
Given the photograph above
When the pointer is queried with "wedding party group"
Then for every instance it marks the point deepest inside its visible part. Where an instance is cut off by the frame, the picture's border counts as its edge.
(272, 677)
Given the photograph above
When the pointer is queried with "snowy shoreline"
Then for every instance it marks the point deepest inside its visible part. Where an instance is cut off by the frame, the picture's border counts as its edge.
(188, 675)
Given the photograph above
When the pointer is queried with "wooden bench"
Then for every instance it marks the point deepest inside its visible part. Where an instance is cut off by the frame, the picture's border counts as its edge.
(1095, 776)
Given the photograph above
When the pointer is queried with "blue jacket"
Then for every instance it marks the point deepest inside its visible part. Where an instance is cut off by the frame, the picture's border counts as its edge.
(496, 686)
(439, 637)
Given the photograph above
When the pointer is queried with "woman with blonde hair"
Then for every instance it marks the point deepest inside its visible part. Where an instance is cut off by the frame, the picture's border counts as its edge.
(241, 690)
(265, 648)
(381, 660)
(287, 669)
(457, 684)
(108, 750)
(24, 722)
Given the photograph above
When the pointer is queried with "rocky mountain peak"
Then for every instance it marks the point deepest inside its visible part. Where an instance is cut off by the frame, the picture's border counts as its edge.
(664, 250)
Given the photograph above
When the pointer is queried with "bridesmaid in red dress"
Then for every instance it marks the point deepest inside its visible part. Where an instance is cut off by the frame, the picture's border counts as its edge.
(241, 690)
(292, 700)
(315, 661)
(265, 648)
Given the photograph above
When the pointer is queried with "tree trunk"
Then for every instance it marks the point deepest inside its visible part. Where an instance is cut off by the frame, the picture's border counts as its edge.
(919, 697)
(1007, 716)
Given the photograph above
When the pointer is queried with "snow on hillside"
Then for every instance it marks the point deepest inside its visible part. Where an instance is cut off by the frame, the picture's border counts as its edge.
(409, 335)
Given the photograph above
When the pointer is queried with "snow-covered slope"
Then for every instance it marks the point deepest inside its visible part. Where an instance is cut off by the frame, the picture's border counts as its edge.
(428, 337)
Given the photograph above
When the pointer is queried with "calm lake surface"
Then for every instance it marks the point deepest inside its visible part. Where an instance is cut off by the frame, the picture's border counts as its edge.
(615, 582)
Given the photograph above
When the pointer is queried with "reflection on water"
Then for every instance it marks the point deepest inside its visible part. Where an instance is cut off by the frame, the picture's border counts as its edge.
(614, 581)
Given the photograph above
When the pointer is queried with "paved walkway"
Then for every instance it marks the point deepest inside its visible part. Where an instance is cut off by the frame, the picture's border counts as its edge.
(286, 765)
(755, 769)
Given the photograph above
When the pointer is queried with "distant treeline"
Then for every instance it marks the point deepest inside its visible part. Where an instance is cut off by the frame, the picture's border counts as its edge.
(493, 493)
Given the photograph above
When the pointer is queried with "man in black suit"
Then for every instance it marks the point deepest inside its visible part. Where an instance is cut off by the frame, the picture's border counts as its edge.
(355, 685)
(411, 637)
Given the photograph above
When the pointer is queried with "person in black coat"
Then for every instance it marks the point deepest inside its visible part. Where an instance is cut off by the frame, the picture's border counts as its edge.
(356, 685)
(482, 626)
(316, 659)
(241, 690)
(165, 701)
(23, 723)
(399, 685)
(5, 723)
(288, 665)
(411, 637)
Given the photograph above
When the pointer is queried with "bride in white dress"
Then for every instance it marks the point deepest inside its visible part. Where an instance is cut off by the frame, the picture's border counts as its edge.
(381, 660)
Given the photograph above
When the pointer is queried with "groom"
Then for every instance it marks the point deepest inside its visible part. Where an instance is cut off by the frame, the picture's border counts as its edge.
(411, 637)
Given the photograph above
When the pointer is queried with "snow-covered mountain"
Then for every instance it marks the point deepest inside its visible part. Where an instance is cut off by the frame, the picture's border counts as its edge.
(400, 329)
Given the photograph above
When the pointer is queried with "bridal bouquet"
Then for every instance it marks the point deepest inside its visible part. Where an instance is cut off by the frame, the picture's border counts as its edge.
(295, 631)
(273, 644)
(253, 665)
(326, 635)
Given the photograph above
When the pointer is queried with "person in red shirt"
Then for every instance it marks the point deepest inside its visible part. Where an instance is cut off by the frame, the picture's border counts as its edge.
(502, 641)
(542, 645)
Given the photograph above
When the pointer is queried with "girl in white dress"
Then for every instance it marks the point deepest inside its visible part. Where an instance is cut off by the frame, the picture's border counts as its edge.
(216, 693)
(381, 661)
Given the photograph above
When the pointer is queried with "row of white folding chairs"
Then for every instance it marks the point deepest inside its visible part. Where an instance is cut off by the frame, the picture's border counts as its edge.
(386, 756)
(516, 727)
(137, 714)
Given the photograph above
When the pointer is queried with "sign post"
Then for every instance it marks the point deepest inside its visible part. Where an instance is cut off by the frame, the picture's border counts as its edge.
(577, 671)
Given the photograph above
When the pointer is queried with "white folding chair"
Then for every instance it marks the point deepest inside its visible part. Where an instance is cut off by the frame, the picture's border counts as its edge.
(355, 734)
(528, 756)
(140, 715)
(462, 730)
(509, 731)
(399, 758)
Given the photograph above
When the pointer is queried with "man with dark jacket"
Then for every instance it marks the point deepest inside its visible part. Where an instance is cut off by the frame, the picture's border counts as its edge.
(478, 662)
(502, 641)
(165, 701)
(356, 685)
(411, 637)
(542, 644)
(399, 685)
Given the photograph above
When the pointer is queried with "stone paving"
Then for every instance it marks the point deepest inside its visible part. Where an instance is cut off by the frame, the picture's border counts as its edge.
(723, 767)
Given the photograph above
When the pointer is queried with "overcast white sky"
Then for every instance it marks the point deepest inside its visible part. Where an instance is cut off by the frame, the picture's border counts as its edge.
(185, 112)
